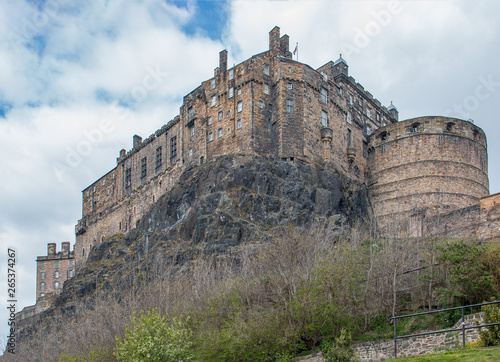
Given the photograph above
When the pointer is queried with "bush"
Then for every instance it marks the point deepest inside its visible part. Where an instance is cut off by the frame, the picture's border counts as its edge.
(154, 337)
(491, 336)
(340, 350)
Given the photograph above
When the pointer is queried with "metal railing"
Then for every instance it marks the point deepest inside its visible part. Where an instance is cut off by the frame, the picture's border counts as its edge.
(463, 328)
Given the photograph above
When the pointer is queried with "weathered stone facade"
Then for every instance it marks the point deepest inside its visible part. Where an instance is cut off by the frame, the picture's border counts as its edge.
(52, 270)
(273, 106)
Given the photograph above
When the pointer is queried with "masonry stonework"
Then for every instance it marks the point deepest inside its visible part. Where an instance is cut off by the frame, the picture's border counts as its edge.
(273, 106)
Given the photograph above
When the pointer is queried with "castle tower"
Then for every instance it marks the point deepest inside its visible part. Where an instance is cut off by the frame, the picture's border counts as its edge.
(340, 67)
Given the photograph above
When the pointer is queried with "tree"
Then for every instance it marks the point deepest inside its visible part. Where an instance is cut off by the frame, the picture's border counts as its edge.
(153, 337)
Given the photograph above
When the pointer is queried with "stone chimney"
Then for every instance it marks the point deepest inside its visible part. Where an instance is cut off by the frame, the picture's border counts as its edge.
(65, 248)
(274, 41)
(51, 249)
(285, 46)
(223, 61)
(137, 141)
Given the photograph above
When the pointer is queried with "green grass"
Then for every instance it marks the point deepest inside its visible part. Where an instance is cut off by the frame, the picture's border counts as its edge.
(475, 355)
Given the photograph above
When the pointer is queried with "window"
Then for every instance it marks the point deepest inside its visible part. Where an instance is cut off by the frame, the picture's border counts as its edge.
(71, 274)
(261, 104)
(113, 175)
(368, 130)
(350, 100)
(231, 92)
(384, 123)
(128, 177)
(143, 167)
(71, 263)
(56, 285)
(229, 131)
(173, 147)
(210, 137)
(324, 95)
(104, 182)
(108, 192)
(239, 106)
(238, 123)
(57, 265)
(239, 92)
(214, 101)
(158, 157)
(190, 152)
(42, 265)
(289, 86)
(368, 113)
(289, 105)
(219, 132)
(56, 274)
(201, 160)
(231, 74)
(266, 88)
(324, 119)
(94, 188)
(42, 294)
(42, 286)
(349, 138)
(266, 69)
(212, 84)
(325, 77)
(349, 117)
(219, 116)
(192, 131)
(88, 193)
(209, 120)
(191, 112)
(42, 275)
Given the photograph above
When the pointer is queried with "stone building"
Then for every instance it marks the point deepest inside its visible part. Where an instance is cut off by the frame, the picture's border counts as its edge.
(273, 106)
(53, 269)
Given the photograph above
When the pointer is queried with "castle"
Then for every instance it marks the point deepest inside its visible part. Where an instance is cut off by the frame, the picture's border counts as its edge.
(427, 175)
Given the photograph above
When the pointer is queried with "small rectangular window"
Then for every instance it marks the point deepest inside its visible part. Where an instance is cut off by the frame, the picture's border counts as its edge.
(231, 92)
(42, 275)
(173, 147)
(350, 100)
(191, 112)
(192, 131)
(324, 119)
(289, 86)
(240, 106)
(239, 92)
(214, 101)
(219, 116)
(56, 274)
(56, 285)
(349, 117)
(266, 88)
(324, 95)
(190, 152)
(158, 157)
(289, 106)
(266, 69)
(349, 137)
(209, 120)
(56, 265)
(238, 123)
(70, 274)
(71, 262)
(128, 177)
(143, 167)
(108, 191)
(368, 113)
(261, 104)
(212, 85)
(231, 74)
(42, 286)
(210, 137)
(104, 182)
(42, 265)
(219, 133)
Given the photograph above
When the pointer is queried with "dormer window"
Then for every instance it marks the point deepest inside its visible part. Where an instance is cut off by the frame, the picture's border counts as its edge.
(212, 85)
(266, 69)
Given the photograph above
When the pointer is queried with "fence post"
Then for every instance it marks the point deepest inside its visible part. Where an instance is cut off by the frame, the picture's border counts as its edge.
(463, 327)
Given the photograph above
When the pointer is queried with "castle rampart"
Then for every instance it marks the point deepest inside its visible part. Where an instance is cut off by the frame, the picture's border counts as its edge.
(426, 166)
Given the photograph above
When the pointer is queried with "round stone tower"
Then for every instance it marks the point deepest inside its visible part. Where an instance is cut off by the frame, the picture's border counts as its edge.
(424, 167)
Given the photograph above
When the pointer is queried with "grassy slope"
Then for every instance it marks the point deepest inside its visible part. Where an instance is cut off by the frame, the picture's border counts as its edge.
(474, 355)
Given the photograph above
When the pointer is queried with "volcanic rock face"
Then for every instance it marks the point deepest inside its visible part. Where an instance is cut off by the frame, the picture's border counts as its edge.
(235, 199)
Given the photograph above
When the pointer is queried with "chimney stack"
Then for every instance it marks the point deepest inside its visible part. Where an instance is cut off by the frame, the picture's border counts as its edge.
(51, 249)
(137, 141)
(65, 248)
(223, 61)
(274, 40)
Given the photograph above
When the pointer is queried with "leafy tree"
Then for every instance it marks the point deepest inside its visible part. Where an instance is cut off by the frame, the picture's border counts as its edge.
(469, 280)
(153, 337)
(340, 350)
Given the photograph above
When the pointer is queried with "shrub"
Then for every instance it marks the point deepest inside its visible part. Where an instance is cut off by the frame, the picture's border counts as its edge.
(153, 337)
(491, 336)
(340, 350)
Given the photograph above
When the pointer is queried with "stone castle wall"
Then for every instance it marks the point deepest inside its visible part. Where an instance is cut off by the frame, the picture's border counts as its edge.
(423, 167)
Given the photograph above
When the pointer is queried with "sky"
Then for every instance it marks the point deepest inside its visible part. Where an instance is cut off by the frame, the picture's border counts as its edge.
(79, 79)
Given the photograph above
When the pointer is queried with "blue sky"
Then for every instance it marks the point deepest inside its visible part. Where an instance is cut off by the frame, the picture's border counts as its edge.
(67, 66)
